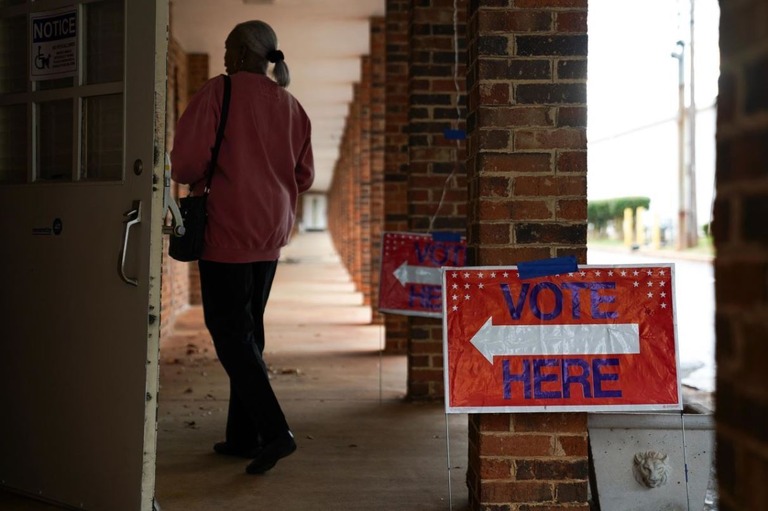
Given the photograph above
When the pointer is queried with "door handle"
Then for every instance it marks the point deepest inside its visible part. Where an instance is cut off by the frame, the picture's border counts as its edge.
(133, 217)
(169, 204)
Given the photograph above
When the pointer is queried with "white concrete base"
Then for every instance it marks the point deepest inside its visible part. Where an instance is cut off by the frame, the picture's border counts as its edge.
(616, 439)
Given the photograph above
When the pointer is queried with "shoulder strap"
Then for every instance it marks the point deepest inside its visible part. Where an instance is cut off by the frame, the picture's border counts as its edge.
(219, 131)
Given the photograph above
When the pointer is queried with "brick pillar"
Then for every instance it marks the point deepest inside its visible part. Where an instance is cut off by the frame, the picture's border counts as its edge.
(354, 216)
(336, 203)
(396, 143)
(341, 195)
(364, 168)
(741, 263)
(378, 124)
(527, 189)
(436, 170)
(175, 275)
(341, 177)
(345, 201)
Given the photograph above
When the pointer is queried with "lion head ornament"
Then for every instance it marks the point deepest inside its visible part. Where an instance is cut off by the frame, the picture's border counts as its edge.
(651, 468)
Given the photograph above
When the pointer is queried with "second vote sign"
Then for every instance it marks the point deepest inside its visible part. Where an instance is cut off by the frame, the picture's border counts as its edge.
(411, 280)
(602, 338)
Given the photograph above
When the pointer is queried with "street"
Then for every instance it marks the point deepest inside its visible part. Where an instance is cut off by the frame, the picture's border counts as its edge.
(694, 285)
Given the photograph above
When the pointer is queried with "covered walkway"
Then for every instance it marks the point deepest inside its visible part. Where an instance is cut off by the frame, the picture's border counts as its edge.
(361, 445)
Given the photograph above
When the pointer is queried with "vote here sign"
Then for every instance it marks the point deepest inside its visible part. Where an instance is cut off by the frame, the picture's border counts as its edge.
(411, 280)
(602, 338)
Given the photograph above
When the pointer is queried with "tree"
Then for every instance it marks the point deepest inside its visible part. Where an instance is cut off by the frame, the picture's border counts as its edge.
(601, 213)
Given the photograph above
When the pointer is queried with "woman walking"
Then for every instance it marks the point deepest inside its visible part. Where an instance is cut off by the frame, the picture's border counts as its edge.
(265, 162)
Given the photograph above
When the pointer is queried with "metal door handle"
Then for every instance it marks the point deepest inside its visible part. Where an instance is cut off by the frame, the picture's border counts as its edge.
(129, 222)
(169, 204)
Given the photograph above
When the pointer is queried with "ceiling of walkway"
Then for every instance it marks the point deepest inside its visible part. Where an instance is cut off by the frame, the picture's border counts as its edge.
(322, 40)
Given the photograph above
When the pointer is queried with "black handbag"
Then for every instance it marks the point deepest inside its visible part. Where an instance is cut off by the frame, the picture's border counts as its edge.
(189, 246)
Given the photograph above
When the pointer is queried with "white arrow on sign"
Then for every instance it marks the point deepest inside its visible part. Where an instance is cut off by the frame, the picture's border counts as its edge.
(418, 274)
(534, 340)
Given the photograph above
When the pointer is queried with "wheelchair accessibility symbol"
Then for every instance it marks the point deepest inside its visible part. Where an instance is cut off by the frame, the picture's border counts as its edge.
(42, 60)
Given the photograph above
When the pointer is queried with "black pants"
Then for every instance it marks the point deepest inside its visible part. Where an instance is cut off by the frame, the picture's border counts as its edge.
(234, 299)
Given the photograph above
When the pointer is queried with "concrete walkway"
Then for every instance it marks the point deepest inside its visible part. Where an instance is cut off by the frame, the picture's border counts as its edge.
(361, 445)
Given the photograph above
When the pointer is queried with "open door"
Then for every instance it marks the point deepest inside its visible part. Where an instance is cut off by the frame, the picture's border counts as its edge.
(82, 99)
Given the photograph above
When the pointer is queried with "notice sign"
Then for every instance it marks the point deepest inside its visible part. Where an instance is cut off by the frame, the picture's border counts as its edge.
(602, 338)
(411, 280)
(54, 44)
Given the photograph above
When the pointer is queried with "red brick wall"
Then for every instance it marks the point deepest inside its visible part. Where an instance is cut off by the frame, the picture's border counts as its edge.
(378, 123)
(181, 281)
(437, 197)
(351, 144)
(197, 75)
(527, 189)
(528, 461)
(741, 264)
(396, 143)
(175, 277)
(356, 194)
(364, 166)
(335, 203)
(343, 193)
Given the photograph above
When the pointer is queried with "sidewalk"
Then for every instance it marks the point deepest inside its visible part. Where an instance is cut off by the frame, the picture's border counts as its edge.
(664, 253)
(361, 445)
(695, 313)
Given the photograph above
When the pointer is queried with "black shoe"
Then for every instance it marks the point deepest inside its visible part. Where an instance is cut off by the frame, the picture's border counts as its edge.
(282, 446)
(232, 450)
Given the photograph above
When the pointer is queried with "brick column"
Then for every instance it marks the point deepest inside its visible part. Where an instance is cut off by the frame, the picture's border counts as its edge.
(355, 188)
(396, 143)
(342, 194)
(364, 169)
(356, 194)
(378, 124)
(527, 189)
(337, 203)
(347, 166)
(436, 170)
(175, 275)
(741, 264)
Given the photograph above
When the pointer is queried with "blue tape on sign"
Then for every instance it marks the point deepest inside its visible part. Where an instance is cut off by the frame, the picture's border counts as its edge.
(455, 134)
(450, 237)
(545, 267)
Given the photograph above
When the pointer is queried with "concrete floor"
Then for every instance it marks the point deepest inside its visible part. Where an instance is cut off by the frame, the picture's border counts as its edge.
(361, 446)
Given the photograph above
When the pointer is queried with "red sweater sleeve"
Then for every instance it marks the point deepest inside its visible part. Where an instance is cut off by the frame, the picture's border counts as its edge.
(196, 133)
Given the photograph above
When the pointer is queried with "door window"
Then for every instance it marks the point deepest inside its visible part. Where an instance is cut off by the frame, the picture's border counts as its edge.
(54, 133)
(12, 61)
(73, 129)
(13, 143)
(102, 155)
(103, 40)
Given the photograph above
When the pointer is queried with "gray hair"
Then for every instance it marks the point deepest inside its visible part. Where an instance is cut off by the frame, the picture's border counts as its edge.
(259, 41)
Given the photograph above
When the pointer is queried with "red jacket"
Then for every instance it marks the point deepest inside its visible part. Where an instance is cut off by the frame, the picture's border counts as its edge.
(265, 162)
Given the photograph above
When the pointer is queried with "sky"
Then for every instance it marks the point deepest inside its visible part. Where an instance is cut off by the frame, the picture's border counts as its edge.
(633, 100)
